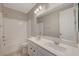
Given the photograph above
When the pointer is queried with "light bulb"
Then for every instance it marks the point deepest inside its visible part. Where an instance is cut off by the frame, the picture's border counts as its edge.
(40, 7)
(35, 12)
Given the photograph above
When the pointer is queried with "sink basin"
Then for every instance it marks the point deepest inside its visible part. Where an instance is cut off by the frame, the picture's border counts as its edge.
(54, 46)
(50, 44)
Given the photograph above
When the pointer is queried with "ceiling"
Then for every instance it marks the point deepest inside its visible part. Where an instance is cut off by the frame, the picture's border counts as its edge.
(22, 7)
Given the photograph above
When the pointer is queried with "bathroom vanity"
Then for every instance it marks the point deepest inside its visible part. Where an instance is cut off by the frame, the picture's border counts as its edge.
(46, 47)
(35, 49)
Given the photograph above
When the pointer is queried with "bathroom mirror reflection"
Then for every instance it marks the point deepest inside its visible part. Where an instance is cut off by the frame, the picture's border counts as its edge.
(61, 23)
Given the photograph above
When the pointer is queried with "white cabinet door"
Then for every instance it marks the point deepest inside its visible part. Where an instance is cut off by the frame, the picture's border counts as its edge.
(67, 24)
(35, 51)
(43, 52)
(32, 49)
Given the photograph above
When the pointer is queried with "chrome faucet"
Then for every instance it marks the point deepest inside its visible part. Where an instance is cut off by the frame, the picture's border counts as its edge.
(57, 43)
(39, 35)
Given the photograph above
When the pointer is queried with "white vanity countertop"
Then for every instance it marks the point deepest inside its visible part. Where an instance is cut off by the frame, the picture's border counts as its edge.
(61, 50)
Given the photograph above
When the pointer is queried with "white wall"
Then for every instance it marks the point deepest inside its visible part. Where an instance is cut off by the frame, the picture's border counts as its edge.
(28, 27)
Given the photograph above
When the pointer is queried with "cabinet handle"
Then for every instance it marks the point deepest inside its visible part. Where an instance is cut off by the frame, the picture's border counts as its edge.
(30, 48)
(3, 36)
(3, 40)
(33, 50)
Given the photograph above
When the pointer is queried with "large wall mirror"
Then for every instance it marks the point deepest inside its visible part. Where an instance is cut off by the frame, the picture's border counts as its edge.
(62, 24)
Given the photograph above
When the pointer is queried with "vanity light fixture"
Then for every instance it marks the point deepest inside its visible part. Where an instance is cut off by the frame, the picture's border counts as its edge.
(40, 7)
(38, 10)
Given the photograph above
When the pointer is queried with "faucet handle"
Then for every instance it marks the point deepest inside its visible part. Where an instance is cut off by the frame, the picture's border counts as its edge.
(56, 42)
(60, 34)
